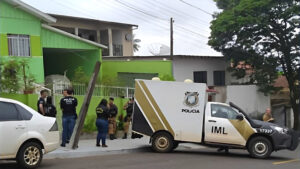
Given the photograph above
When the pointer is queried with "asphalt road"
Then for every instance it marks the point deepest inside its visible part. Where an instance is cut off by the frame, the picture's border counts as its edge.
(205, 158)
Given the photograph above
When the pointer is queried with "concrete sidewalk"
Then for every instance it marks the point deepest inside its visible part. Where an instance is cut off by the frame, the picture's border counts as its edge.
(88, 148)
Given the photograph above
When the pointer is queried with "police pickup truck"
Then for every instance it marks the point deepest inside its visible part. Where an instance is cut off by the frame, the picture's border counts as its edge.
(177, 112)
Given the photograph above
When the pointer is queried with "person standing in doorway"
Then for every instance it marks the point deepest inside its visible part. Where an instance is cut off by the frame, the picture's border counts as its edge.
(113, 112)
(129, 110)
(268, 116)
(68, 106)
(42, 102)
(102, 111)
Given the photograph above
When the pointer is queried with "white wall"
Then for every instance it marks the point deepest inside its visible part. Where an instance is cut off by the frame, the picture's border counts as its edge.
(183, 67)
(248, 98)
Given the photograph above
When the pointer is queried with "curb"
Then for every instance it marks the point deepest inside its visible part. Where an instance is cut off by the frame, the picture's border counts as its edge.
(72, 154)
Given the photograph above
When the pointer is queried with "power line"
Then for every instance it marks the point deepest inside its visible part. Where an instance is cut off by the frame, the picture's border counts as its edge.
(87, 13)
(122, 3)
(145, 13)
(188, 30)
(196, 7)
(183, 13)
(173, 11)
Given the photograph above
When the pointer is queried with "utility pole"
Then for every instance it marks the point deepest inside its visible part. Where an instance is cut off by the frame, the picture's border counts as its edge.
(171, 37)
(85, 106)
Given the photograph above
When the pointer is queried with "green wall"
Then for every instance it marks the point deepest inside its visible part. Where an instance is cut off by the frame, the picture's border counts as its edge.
(111, 68)
(57, 61)
(89, 125)
(28, 99)
(52, 39)
(90, 120)
(16, 21)
(36, 67)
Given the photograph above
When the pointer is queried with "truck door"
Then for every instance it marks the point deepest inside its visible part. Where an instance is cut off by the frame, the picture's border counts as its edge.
(222, 126)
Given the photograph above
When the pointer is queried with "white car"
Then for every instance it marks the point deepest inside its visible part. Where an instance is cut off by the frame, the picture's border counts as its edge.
(25, 135)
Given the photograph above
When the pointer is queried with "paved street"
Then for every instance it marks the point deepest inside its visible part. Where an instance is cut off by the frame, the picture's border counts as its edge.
(182, 158)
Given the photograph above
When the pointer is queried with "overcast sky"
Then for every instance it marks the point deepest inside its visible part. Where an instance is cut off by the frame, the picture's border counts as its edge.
(191, 26)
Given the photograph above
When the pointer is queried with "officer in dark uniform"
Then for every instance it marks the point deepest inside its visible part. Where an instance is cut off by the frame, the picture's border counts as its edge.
(102, 111)
(112, 122)
(129, 110)
(68, 106)
(42, 102)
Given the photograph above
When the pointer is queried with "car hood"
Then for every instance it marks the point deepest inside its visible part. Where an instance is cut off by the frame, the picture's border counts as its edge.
(263, 123)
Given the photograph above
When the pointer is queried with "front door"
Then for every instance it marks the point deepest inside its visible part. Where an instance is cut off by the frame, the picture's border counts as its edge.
(12, 129)
(221, 125)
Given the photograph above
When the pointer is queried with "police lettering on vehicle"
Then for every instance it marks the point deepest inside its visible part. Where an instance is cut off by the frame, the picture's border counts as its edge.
(191, 99)
(190, 111)
(218, 130)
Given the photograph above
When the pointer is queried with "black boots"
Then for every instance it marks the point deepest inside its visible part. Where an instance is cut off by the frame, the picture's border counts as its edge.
(112, 137)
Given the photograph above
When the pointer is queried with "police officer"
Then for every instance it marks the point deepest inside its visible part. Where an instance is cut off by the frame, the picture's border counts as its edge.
(68, 106)
(42, 102)
(102, 111)
(113, 112)
(129, 110)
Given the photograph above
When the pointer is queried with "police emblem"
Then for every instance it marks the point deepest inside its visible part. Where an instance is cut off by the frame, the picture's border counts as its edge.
(191, 99)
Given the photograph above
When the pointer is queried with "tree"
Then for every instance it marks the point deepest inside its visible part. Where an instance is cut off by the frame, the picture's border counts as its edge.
(10, 82)
(264, 34)
(135, 42)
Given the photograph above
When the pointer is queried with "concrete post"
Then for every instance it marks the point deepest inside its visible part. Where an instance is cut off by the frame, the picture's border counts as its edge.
(110, 42)
(76, 31)
(98, 36)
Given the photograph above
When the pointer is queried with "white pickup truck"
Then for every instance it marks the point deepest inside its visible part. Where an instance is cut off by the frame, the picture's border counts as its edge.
(176, 112)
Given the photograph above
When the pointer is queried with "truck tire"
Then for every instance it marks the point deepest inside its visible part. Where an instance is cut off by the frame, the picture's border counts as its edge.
(260, 147)
(30, 155)
(175, 144)
(162, 142)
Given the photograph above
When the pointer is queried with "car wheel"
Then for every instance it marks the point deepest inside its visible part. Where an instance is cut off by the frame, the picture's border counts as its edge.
(260, 147)
(30, 155)
(162, 142)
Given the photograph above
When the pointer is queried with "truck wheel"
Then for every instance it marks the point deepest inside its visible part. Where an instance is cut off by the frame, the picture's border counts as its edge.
(30, 155)
(260, 147)
(175, 144)
(162, 143)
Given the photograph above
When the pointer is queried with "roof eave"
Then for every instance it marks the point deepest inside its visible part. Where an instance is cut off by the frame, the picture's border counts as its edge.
(73, 36)
(32, 10)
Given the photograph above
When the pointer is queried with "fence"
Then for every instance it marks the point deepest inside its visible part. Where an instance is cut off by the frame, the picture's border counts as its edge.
(100, 90)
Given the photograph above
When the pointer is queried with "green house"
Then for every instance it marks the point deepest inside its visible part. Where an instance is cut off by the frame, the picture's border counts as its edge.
(25, 34)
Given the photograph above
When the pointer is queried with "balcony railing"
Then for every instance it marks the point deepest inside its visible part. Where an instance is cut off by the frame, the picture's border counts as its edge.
(118, 50)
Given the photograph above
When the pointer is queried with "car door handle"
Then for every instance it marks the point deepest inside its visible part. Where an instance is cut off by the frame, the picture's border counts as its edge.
(20, 127)
(212, 121)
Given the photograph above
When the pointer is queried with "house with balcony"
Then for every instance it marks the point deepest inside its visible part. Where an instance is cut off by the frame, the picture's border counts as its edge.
(116, 36)
(26, 33)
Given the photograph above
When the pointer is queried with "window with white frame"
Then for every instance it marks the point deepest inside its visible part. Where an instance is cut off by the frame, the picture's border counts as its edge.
(18, 45)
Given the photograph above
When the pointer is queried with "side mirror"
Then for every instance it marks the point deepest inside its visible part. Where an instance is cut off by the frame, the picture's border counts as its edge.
(240, 117)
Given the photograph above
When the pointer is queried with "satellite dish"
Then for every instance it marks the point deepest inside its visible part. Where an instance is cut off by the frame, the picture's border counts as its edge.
(157, 49)
(128, 37)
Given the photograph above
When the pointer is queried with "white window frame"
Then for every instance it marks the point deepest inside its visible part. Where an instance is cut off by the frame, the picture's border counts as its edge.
(19, 40)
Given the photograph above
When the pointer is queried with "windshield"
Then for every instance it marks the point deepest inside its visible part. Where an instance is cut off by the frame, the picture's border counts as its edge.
(240, 110)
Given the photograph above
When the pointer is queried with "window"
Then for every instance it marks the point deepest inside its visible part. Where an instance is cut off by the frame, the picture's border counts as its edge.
(219, 78)
(18, 45)
(221, 111)
(9, 112)
(26, 115)
(200, 77)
